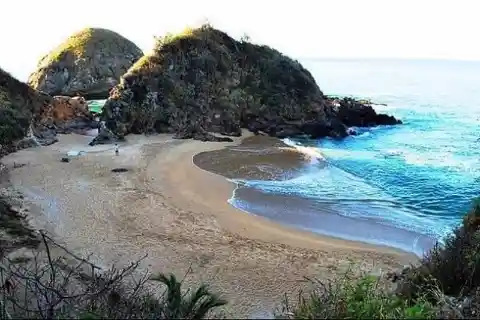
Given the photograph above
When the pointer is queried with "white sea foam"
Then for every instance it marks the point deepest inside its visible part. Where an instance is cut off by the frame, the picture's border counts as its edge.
(312, 153)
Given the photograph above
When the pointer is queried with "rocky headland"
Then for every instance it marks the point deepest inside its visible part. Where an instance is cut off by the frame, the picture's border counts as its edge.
(203, 82)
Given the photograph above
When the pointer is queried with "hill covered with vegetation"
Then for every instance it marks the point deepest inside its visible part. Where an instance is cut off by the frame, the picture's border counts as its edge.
(89, 62)
(203, 81)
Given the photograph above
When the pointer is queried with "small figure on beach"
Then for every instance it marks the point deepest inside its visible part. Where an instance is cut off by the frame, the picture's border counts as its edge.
(116, 149)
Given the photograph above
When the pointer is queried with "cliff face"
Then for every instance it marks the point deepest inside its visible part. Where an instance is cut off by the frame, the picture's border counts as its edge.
(90, 62)
(36, 116)
(18, 104)
(203, 81)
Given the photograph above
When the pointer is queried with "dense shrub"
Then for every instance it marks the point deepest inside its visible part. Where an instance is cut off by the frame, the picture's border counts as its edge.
(453, 267)
(18, 104)
(353, 298)
(444, 285)
(13, 125)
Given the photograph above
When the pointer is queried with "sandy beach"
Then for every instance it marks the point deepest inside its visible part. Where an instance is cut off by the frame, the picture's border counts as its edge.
(167, 207)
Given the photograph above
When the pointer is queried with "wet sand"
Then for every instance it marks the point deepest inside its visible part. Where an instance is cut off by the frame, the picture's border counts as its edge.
(325, 219)
(257, 157)
(178, 214)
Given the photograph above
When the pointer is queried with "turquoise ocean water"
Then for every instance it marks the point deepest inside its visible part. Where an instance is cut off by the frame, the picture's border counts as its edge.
(420, 177)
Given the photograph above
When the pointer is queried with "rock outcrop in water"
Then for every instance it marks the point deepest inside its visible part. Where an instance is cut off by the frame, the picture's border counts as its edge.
(203, 82)
(89, 63)
(356, 113)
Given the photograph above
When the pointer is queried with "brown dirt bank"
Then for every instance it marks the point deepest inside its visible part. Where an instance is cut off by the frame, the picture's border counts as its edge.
(167, 207)
(257, 157)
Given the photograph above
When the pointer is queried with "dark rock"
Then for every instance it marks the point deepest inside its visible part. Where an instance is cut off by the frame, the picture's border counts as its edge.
(45, 135)
(89, 62)
(16, 231)
(402, 274)
(384, 119)
(65, 159)
(330, 128)
(352, 132)
(27, 142)
(105, 136)
(354, 113)
(18, 165)
(285, 131)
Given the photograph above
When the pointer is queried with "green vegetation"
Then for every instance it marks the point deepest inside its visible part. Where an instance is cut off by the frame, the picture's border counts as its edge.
(13, 125)
(18, 102)
(81, 44)
(148, 62)
(75, 44)
(348, 298)
(190, 76)
(200, 68)
(88, 62)
(169, 37)
(445, 285)
(452, 269)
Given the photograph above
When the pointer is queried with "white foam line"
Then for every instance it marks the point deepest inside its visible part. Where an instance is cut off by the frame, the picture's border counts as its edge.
(313, 153)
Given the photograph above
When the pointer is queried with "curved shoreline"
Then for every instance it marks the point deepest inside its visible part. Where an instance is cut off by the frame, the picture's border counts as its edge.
(178, 214)
(293, 234)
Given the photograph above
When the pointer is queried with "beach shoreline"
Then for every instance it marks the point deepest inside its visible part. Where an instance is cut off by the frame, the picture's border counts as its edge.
(265, 229)
(260, 159)
(177, 213)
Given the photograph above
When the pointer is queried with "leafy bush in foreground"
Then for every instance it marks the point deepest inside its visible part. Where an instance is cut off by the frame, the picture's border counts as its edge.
(349, 298)
(445, 285)
(13, 125)
(454, 267)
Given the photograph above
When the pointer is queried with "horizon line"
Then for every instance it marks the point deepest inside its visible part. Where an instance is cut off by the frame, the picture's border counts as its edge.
(386, 59)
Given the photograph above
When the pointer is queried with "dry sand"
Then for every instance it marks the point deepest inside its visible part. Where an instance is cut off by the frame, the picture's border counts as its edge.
(178, 214)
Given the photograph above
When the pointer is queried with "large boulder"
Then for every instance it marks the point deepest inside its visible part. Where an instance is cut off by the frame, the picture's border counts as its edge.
(203, 82)
(89, 62)
(66, 115)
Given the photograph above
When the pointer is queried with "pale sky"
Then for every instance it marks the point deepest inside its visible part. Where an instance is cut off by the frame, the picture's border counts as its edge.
(423, 29)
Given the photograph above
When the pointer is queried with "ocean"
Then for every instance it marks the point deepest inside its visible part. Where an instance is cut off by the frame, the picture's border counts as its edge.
(403, 186)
